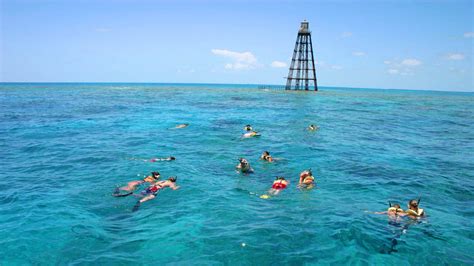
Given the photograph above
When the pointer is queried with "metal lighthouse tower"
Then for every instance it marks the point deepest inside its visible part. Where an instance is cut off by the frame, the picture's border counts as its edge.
(304, 78)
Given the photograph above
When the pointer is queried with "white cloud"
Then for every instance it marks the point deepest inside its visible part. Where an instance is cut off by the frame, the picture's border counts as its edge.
(346, 34)
(411, 62)
(404, 67)
(393, 71)
(278, 64)
(242, 60)
(469, 34)
(455, 56)
(358, 53)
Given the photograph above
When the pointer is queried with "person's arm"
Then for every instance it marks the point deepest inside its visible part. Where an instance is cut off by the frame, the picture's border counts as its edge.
(239, 166)
(385, 212)
(173, 186)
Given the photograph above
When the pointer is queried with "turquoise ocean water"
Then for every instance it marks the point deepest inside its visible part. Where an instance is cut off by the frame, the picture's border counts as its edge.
(65, 147)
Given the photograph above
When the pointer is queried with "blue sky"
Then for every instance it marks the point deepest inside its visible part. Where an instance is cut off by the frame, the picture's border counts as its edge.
(369, 44)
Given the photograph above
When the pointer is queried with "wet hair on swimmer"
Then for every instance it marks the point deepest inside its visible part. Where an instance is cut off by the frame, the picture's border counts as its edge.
(414, 202)
(155, 173)
(173, 178)
(279, 178)
(172, 158)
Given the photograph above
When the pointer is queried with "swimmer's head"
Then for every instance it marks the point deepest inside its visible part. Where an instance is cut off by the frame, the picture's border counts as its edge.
(243, 161)
(248, 127)
(396, 205)
(413, 203)
(266, 153)
(279, 178)
(172, 158)
(173, 178)
(155, 175)
(306, 173)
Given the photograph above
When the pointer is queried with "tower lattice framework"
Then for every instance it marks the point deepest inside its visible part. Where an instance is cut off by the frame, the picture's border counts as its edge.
(303, 62)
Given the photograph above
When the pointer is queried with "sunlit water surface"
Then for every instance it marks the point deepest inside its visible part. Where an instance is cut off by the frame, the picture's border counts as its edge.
(65, 147)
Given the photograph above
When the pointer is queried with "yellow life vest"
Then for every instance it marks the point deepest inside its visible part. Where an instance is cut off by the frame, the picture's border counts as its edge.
(412, 212)
(149, 179)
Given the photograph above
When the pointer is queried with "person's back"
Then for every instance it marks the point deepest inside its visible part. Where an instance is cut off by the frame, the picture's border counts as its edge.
(132, 185)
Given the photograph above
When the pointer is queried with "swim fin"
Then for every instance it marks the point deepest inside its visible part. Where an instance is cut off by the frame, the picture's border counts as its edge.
(136, 207)
(117, 193)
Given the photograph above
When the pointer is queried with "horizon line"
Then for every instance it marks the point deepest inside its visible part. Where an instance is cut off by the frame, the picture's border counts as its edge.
(212, 83)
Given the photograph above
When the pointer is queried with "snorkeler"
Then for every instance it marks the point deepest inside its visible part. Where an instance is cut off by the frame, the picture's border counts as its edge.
(244, 166)
(413, 210)
(306, 179)
(171, 158)
(131, 186)
(150, 192)
(266, 157)
(313, 128)
(250, 132)
(279, 184)
(182, 125)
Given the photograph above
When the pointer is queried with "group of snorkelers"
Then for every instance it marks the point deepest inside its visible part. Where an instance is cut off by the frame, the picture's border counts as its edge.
(306, 181)
(306, 178)
(152, 184)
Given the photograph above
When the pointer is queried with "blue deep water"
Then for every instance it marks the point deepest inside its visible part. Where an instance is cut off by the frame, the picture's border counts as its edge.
(65, 147)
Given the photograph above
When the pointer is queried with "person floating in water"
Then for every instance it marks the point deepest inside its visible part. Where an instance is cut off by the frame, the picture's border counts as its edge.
(171, 158)
(182, 125)
(132, 186)
(278, 185)
(244, 166)
(150, 192)
(413, 210)
(249, 132)
(306, 179)
(313, 128)
(266, 157)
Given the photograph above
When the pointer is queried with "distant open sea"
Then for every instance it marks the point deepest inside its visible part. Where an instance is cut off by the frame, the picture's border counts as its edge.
(65, 147)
